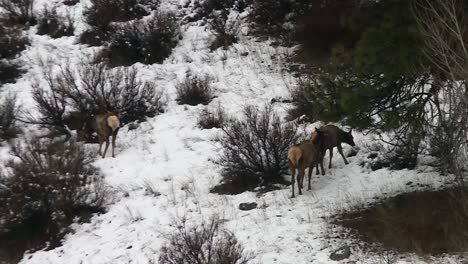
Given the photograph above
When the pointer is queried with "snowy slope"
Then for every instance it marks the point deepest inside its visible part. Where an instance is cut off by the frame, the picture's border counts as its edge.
(174, 155)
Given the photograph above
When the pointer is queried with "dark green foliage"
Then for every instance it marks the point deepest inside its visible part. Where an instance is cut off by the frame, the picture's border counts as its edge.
(379, 82)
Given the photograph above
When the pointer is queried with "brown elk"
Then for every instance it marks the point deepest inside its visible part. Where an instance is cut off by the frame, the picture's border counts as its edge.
(332, 136)
(104, 125)
(302, 156)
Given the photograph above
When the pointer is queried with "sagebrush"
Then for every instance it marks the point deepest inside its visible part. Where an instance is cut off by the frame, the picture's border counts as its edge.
(255, 147)
(46, 187)
(207, 243)
(150, 41)
(194, 90)
(91, 89)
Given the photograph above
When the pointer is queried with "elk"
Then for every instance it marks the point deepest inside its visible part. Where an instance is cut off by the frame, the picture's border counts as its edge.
(332, 136)
(104, 125)
(302, 156)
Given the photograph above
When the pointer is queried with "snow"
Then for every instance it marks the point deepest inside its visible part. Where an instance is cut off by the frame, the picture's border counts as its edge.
(171, 153)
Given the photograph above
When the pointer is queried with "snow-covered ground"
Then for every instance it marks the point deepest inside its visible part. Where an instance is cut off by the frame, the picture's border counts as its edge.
(176, 157)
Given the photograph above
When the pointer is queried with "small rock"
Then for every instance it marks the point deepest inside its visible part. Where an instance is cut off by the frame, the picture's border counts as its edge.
(409, 183)
(342, 253)
(351, 153)
(247, 206)
(245, 53)
(372, 156)
(129, 247)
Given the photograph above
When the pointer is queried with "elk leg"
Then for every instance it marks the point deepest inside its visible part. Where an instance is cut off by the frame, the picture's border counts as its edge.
(331, 156)
(105, 149)
(293, 172)
(311, 168)
(100, 145)
(113, 143)
(340, 150)
(321, 166)
(300, 178)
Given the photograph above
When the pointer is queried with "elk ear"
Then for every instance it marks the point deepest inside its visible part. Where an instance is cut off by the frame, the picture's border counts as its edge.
(350, 130)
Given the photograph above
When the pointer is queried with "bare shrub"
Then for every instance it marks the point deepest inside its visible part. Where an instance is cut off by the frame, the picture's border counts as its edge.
(51, 105)
(19, 11)
(147, 42)
(89, 89)
(52, 24)
(255, 148)
(9, 71)
(8, 112)
(102, 13)
(13, 42)
(270, 15)
(205, 244)
(49, 184)
(195, 90)
(212, 118)
(97, 89)
(225, 29)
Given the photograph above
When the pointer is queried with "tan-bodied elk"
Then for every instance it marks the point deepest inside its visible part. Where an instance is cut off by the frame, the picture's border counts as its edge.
(302, 156)
(332, 136)
(105, 125)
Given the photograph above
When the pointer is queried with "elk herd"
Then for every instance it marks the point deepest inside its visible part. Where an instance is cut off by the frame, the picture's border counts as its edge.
(305, 155)
(310, 153)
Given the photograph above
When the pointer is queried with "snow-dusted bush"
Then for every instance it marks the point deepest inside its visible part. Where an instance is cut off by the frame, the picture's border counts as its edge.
(212, 118)
(56, 26)
(207, 243)
(12, 42)
(19, 11)
(49, 184)
(147, 42)
(102, 13)
(225, 29)
(8, 113)
(270, 15)
(255, 148)
(195, 90)
(9, 71)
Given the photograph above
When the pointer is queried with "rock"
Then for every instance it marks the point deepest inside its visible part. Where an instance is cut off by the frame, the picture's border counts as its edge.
(409, 183)
(372, 156)
(244, 53)
(351, 153)
(247, 206)
(342, 253)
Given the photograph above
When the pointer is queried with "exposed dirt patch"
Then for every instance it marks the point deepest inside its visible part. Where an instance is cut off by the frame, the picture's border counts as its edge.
(424, 222)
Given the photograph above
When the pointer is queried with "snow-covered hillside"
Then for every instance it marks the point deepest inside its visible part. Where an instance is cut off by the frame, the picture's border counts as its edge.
(172, 154)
